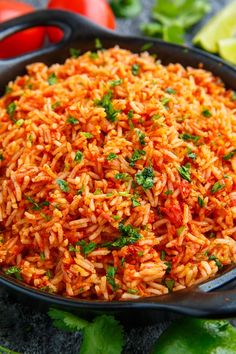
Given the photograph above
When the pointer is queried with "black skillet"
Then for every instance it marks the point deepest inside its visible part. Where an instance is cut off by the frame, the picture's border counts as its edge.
(199, 301)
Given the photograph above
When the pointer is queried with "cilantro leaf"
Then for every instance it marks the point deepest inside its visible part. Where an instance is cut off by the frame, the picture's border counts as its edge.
(200, 202)
(11, 108)
(115, 83)
(78, 156)
(110, 275)
(72, 120)
(87, 135)
(86, 248)
(112, 156)
(217, 187)
(217, 262)
(206, 113)
(135, 69)
(145, 178)
(52, 79)
(173, 33)
(134, 200)
(66, 321)
(98, 43)
(75, 53)
(129, 235)
(64, 186)
(146, 46)
(189, 137)
(106, 103)
(15, 271)
(191, 154)
(137, 155)
(103, 335)
(169, 283)
(229, 155)
(184, 172)
(122, 176)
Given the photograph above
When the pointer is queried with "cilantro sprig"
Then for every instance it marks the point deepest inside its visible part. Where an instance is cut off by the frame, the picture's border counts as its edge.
(145, 178)
(106, 103)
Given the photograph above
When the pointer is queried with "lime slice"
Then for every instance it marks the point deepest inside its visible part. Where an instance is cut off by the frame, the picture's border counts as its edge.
(227, 49)
(221, 26)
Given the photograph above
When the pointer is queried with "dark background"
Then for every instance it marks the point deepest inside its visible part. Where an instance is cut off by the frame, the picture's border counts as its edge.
(30, 332)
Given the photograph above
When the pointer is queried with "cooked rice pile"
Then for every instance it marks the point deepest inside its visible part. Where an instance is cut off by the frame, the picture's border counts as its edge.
(117, 176)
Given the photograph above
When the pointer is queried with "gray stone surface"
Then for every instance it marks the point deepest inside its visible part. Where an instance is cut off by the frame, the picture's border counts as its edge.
(31, 332)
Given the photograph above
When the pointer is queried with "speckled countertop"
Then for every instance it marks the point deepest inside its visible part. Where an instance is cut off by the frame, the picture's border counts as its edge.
(29, 332)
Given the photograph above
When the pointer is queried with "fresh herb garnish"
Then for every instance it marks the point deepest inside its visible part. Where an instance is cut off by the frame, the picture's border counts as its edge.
(145, 178)
(141, 137)
(87, 135)
(42, 256)
(64, 186)
(86, 248)
(229, 155)
(20, 122)
(169, 267)
(169, 192)
(135, 69)
(129, 235)
(206, 113)
(8, 90)
(15, 271)
(72, 120)
(191, 154)
(116, 217)
(184, 172)
(163, 255)
(56, 105)
(126, 8)
(171, 91)
(112, 156)
(200, 202)
(217, 261)
(46, 217)
(110, 275)
(217, 187)
(35, 205)
(137, 155)
(180, 230)
(146, 46)
(106, 103)
(115, 83)
(93, 55)
(189, 137)
(97, 191)
(1, 157)
(169, 283)
(11, 108)
(98, 43)
(48, 274)
(165, 101)
(103, 335)
(75, 53)
(233, 97)
(78, 156)
(122, 176)
(135, 201)
(52, 79)
(72, 248)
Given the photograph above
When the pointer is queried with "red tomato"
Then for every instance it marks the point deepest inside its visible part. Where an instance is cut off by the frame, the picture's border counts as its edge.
(24, 41)
(97, 11)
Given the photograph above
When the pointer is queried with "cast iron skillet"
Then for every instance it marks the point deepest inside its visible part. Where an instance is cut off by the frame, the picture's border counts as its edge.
(199, 301)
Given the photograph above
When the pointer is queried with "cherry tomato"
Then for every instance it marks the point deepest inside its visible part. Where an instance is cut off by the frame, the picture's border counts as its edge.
(24, 41)
(97, 11)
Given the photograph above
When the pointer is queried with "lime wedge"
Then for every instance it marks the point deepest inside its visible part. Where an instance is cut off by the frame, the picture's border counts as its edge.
(227, 49)
(221, 26)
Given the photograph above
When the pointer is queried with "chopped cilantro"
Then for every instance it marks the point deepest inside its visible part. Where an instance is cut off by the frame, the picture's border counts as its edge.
(132, 291)
(189, 137)
(1, 157)
(200, 202)
(35, 205)
(141, 137)
(122, 261)
(80, 191)
(129, 235)
(217, 187)
(217, 261)
(56, 105)
(78, 156)
(93, 55)
(11, 108)
(233, 97)
(124, 194)
(75, 53)
(163, 255)
(206, 113)
(130, 115)
(169, 283)
(146, 46)
(72, 120)
(97, 191)
(116, 217)
(64, 186)
(170, 91)
(137, 155)
(122, 176)
(87, 135)
(114, 83)
(169, 266)
(229, 155)
(184, 172)
(48, 274)
(110, 275)
(42, 256)
(180, 230)
(106, 103)
(52, 79)
(46, 217)
(169, 192)
(15, 271)
(31, 138)
(145, 178)
(98, 43)
(86, 248)
(135, 201)
(71, 248)
(191, 154)
(135, 69)
(211, 234)
(112, 156)
(8, 90)
(20, 122)
(165, 101)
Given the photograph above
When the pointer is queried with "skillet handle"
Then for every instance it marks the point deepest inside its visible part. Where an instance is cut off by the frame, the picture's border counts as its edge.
(73, 25)
(199, 302)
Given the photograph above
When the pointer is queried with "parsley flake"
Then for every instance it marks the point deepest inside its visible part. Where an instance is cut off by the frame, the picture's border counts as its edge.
(129, 235)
